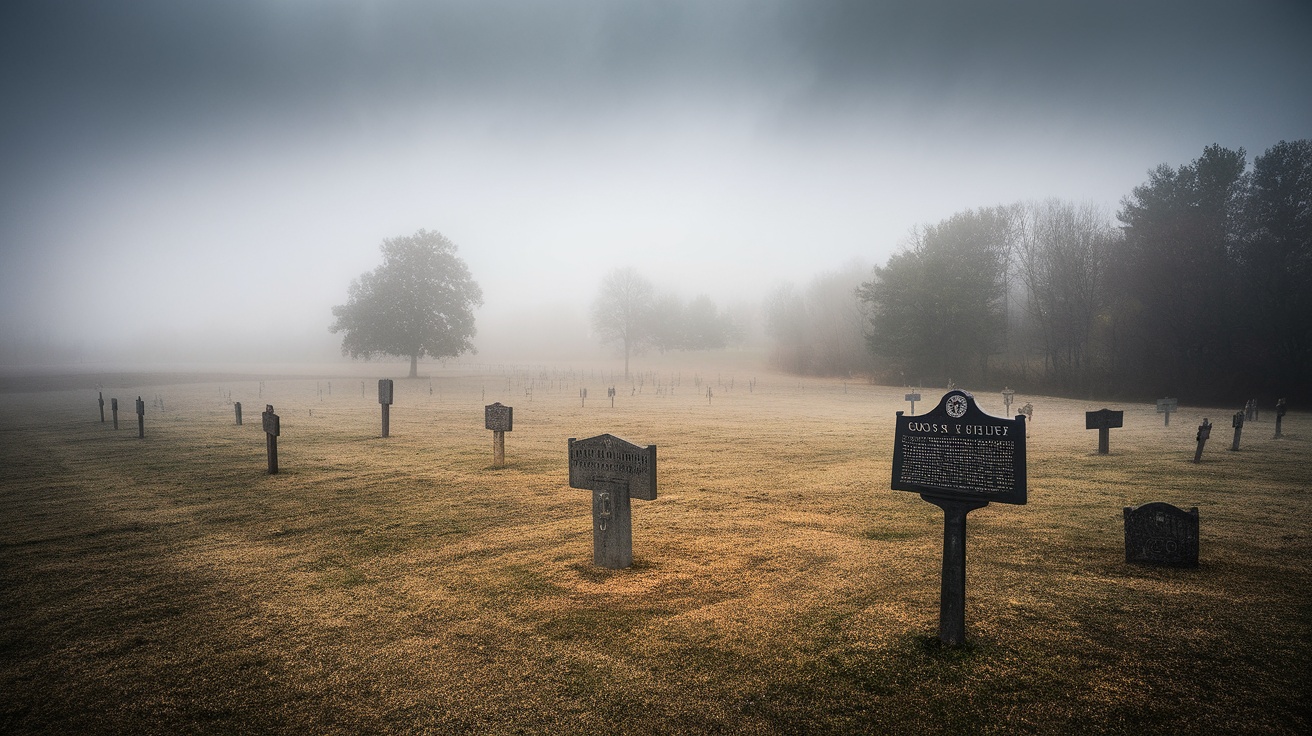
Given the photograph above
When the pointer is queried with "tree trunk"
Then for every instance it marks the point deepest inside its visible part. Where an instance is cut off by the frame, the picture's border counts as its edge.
(414, 366)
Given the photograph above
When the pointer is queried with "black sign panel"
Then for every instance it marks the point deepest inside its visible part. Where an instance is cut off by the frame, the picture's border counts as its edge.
(607, 459)
(1104, 419)
(957, 451)
(498, 417)
(385, 391)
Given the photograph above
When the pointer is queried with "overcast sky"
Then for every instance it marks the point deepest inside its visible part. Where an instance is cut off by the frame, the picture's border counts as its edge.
(175, 169)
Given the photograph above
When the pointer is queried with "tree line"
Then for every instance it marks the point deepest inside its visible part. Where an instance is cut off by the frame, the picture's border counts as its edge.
(1203, 289)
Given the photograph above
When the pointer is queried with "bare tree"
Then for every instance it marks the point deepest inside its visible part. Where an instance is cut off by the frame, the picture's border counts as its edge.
(622, 313)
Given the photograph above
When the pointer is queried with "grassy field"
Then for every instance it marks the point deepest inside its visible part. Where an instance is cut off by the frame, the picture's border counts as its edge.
(404, 585)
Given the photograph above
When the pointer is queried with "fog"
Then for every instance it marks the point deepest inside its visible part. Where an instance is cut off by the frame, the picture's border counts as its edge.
(183, 181)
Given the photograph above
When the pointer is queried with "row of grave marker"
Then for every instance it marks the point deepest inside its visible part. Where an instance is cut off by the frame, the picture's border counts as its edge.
(1105, 420)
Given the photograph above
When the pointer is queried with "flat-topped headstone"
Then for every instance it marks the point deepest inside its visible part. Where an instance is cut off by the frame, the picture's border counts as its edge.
(1104, 420)
(615, 471)
(1167, 406)
(1161, 534)
(959, 459)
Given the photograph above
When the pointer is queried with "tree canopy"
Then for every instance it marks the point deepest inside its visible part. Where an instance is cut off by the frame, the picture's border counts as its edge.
(419, 303)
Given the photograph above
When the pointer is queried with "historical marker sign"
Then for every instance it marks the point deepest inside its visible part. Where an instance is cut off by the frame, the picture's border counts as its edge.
(1161, 534)
(959, 459)
(957, 451)
(615, 471)
(1104, 420)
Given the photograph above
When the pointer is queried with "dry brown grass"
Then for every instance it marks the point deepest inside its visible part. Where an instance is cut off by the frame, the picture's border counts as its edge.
(404, 585)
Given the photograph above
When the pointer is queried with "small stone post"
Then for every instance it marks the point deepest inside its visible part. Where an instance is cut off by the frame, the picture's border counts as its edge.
(1104, 420)
(101, 401)
(1238, 423)
(1280, 415)
(913, 397)
(237, 408)
(1204, 431)
(141, 417)
(113, 407)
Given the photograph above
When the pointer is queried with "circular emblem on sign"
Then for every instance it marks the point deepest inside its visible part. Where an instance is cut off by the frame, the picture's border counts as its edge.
(956, 406)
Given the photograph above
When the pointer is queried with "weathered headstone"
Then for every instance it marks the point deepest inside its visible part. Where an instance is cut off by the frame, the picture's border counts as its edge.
(1166, 406)
(615, 471)
(113, 407)
(1204, 432)
(1007, 396)
(1250, 410)
(1161, 534)
(611, 393)
(499, 419)
(1280, 415)
(101, 400)
(959, 459)
(1238, 423)
(913, 397)
(1104, 420)
(272, 429)
(385, 399)
(141, 417)
(236, 408)
(583, 397)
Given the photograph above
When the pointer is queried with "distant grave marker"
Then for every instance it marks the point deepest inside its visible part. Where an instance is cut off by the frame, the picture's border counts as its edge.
(1237, 421)
(1250, 410)
(499, 419)
(1104, 420)
(1166, 407)
(101, 400)
(611, 393)
(237, 409)
(959, 459)
(113, 407)
(583, 397)
(1161, 534)
(385, 399)
(615, 471)
(1028, 411)
(1007, 396)
(1204, 432)
(272, 428)
(913, 397)
(1280, 415)
(141, 417)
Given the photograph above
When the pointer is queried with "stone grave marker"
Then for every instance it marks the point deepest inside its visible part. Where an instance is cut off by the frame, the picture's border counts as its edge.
(101, 401)
(959, 459)
(1280, 415)
(615, 471)
(385, 400)
(1250, 410)
(499, 419)
(237, 409)
(1104, 420)
(1007, 396)
(141, 417)
(611, 393)
(1166, 406)
(1237, 421)
(1161, 534)
(272, 429)
(1204, 432)
(113, 407)
(583, 397)
(913, 397)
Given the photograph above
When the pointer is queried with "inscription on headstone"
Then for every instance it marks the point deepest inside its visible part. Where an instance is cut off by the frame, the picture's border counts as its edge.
(1104, 420)
(385, 399)
(1237, 421)
(1166, 407)
(499, 419)
(959, 459)
(1204, 432)
(615, 471)
(272, 428)
(1161, 534)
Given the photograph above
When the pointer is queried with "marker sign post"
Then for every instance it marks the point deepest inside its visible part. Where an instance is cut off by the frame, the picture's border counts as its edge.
(237, 408)
(101, 401)
(959, 459)
(1104, 420)
(499, 419)
(385, 398)
(1008, 395)
(271, 431)
(1166, 406)
(615, 471)
(141, 417)
(913, 397)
